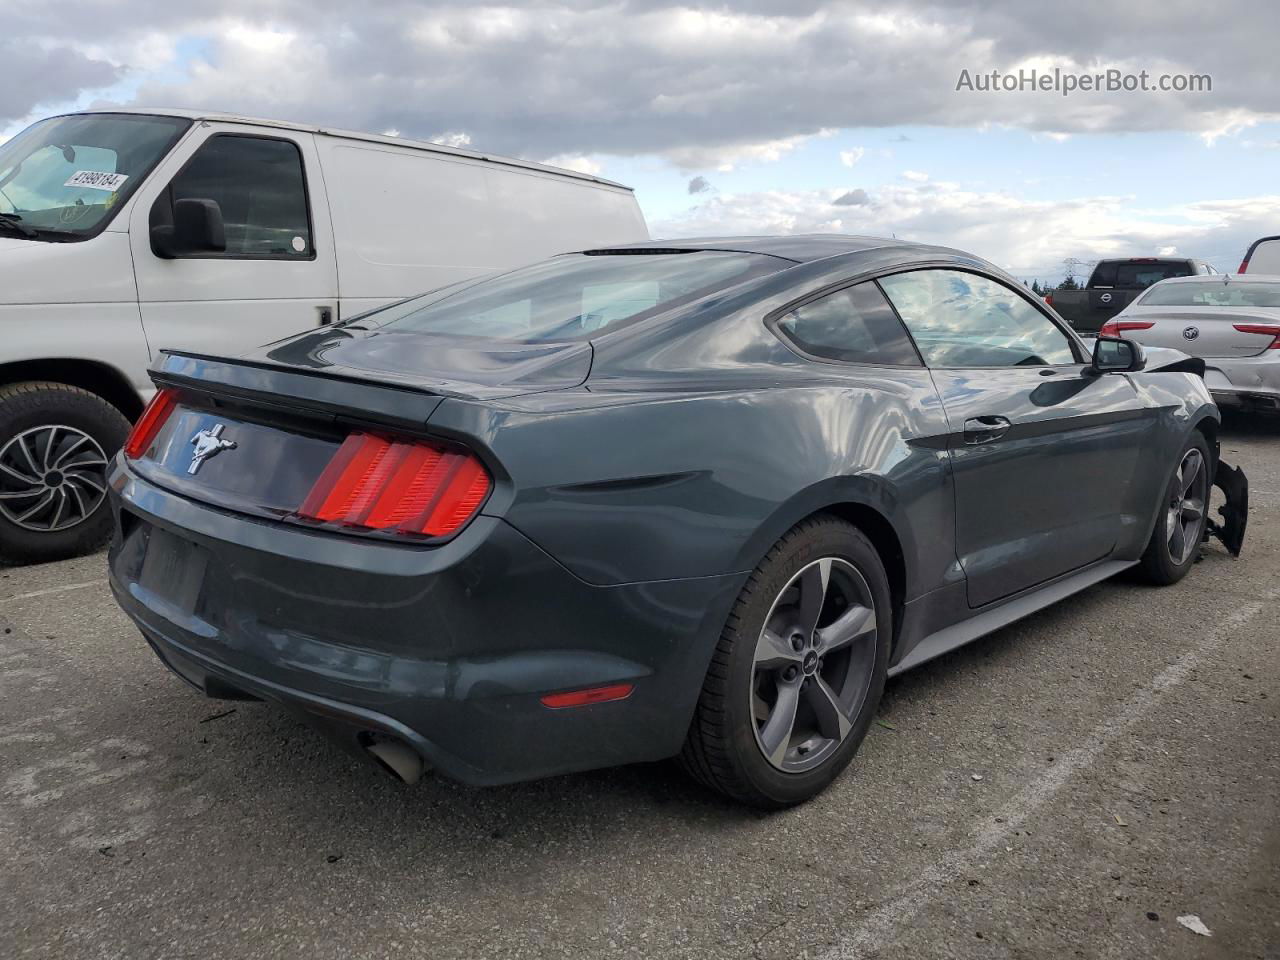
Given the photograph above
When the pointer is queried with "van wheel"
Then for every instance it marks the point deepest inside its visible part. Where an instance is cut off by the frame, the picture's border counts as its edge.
(55, 442)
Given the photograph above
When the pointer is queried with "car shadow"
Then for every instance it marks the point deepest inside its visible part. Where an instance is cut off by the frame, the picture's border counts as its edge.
(1246, 425)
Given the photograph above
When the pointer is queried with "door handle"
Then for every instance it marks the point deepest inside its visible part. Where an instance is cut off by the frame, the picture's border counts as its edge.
(985, 429)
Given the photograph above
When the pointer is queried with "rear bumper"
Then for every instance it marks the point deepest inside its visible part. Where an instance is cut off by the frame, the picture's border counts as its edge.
(448, 649)
(1246, 381)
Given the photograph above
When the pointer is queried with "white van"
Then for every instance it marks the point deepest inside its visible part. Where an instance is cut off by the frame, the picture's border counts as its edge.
(1263, 256)
(126, 231)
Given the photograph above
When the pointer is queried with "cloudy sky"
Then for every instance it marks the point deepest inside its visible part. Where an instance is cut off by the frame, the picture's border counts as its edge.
(752, 116)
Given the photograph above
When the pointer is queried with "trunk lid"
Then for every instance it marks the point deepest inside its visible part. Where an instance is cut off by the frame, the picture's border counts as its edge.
(256, 435)
(1203, 332)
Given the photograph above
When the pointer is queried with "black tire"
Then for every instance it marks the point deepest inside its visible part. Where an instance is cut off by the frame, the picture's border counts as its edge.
(723, 749)
(1159, 565)
(27, 407)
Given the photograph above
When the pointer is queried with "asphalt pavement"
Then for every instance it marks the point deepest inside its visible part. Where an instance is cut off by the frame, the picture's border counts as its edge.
(1067, 787)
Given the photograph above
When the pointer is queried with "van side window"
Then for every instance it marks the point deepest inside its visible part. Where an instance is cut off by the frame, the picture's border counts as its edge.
(854, 325)
(259, 185)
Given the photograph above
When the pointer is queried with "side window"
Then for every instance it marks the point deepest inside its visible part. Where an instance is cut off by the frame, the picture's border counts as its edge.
(965, 320)
(260, 187)
(854, 325)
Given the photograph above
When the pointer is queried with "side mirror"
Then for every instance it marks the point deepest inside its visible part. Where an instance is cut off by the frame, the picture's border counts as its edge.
(1117, 355)
(197, 228)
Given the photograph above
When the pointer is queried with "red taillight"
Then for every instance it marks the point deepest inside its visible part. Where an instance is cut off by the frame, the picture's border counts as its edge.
(149, 424)
(1048, 298)
(1113, 328)
(580, 698)
(400, 486)
(1267, 329)
(1244, 265)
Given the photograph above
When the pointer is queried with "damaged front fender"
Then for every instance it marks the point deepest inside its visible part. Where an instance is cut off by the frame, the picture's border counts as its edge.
(1235, 511)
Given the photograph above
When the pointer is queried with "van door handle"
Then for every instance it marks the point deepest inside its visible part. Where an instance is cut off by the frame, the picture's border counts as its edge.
(985, 429)
(324, 315)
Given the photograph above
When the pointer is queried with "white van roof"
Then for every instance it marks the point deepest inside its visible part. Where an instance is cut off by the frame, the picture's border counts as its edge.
(354, 135)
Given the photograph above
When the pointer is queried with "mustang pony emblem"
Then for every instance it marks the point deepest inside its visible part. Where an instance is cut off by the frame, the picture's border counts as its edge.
(208, 443)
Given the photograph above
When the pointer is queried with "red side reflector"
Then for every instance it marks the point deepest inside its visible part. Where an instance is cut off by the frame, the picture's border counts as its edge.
(403, 486)
(580, 698)
(1267, 329)
(149, 424)
(1113, 328)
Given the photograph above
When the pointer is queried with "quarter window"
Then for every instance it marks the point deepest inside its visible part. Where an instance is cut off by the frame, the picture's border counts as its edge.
(259, 186)
(854, 325)
(965, 320)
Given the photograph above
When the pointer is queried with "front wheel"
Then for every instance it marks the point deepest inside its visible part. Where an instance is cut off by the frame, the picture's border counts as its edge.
(55, 441)
(1180, 524)
(799, 669)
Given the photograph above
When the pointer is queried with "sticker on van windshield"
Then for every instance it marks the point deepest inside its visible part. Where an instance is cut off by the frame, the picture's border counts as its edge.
(299, 244)
(97, 180)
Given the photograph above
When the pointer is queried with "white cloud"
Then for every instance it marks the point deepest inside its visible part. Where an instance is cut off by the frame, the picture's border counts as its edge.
(578, 162)
(453, 139)
(850, 157)
(1028, 238)
(1228, 123)
(915, 176)
(712, 88)
(727, 158)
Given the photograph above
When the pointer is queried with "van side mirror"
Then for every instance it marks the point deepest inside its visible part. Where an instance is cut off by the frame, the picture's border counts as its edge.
(1117, 355)
(197, 228)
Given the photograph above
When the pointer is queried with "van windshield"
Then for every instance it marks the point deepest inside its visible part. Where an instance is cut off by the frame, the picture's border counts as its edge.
(577, 295)
(63, 178)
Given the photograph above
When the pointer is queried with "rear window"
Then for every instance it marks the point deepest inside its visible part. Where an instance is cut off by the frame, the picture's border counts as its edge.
(1128, 275)
(577, 295)
(1213, 295)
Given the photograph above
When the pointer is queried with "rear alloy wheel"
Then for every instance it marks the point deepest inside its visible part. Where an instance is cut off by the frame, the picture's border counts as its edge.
(55, 444)
(809, 682)
(799, 669)
(1179, 531)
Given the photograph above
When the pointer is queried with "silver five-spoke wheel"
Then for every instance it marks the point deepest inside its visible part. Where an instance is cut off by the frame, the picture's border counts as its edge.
(1185, 512)
(814, 663)
(51, 477)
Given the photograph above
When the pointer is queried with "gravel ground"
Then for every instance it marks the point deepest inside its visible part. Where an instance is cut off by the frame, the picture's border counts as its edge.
(1067, 787)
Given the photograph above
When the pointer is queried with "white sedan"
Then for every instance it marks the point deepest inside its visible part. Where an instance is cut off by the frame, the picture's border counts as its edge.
(1231, 322)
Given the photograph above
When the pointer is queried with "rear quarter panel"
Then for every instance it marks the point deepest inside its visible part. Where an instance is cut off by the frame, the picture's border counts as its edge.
(632, 487)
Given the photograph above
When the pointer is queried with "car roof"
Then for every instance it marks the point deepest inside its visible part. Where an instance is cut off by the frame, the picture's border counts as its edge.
(216, 117)
(801, 248)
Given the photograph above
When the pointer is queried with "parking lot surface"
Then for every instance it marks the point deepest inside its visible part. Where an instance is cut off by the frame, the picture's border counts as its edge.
(1067, 787)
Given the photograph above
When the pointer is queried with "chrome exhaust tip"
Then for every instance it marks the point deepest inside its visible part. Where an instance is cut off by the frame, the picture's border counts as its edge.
(398, 759)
